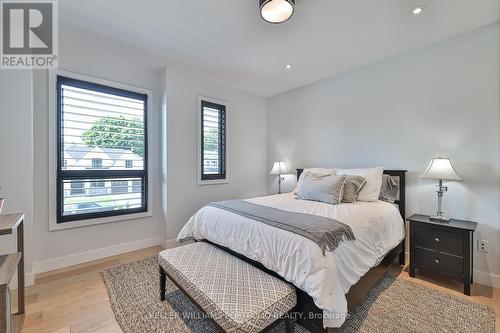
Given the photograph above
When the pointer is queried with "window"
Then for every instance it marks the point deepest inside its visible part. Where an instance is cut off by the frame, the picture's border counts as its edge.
(119, 186)
(136, 185)
(212, 141)
(97, 187)
(100, 131)
(96, 163)
(76, 188)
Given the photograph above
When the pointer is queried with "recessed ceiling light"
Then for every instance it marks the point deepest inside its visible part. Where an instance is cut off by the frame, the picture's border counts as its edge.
(276, 11)
(418, 10)
(288, 66)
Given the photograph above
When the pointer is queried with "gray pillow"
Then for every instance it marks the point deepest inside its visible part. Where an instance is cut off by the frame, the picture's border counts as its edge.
(353, 185)
(389, 190)
(321, 187)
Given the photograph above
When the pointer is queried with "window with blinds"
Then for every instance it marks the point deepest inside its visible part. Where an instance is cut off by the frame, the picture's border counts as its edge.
(213, 141)
(102, 151)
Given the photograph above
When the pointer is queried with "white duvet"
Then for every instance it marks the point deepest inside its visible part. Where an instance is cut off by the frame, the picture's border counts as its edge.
(377, 226)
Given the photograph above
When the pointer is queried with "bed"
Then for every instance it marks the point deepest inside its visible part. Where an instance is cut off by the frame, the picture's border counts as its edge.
(328, 285)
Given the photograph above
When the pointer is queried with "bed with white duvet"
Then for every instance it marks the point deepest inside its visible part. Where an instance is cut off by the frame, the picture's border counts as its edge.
(377, 226)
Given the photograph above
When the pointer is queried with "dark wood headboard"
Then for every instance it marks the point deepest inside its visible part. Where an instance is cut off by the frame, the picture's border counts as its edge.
(400, 177)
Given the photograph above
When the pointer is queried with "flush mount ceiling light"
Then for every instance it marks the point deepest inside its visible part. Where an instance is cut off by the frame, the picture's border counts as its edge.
(418, 10)
(276, 11)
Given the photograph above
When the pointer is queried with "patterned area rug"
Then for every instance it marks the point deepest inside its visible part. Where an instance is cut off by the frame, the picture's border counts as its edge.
(393, 305)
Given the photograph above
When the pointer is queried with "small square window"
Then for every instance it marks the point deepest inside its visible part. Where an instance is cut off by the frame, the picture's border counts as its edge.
(119, 186)
(77, 187)
(97, 163)
(128, 164)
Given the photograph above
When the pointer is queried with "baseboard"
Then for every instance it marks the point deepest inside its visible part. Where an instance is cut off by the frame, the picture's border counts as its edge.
(481, 277)
(171, 243)
(29, 280)
(487, 279)
(78, 258)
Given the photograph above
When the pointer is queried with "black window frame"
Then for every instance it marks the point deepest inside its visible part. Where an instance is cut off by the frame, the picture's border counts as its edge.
(222, 145)
(103, 174)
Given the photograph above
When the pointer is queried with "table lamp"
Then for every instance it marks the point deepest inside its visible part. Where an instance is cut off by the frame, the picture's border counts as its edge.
(279, 168)
(441, 169)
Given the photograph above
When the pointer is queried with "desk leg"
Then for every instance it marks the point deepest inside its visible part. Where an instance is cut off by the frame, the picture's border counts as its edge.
(20, 268)
(3, 311)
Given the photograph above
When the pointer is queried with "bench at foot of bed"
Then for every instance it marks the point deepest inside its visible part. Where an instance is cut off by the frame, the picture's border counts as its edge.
(235, 295)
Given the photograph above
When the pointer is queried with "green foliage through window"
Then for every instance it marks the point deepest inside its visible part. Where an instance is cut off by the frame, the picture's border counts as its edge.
(116, 132)
(211, 140)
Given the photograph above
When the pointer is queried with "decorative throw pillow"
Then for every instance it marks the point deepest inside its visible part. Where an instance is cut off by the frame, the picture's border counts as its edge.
(353, 185)
(321, 187)
(324, 171)
(371, 190)
(389, 190)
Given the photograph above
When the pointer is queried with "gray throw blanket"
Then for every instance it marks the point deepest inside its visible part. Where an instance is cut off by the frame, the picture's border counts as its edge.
(325, 232)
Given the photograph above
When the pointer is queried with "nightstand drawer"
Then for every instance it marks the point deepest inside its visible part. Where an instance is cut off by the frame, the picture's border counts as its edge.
(439, 262)
(439, 240)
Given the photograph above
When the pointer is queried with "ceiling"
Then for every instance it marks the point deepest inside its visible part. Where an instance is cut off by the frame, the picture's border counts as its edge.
(227, 42)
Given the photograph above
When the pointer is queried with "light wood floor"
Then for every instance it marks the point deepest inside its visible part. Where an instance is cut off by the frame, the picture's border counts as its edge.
(74, 299)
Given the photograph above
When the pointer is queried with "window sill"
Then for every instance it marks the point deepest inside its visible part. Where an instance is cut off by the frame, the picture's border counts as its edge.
(212, 182)
(54, 226)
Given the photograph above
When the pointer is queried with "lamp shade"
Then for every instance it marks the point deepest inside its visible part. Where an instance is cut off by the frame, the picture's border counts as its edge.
(279, 168)
(441, 168)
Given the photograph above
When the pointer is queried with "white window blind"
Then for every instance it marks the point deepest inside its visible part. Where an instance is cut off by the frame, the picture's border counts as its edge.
(213, 141)
(102, 150)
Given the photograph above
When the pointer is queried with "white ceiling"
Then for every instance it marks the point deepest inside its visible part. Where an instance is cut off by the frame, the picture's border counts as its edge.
(227, 42)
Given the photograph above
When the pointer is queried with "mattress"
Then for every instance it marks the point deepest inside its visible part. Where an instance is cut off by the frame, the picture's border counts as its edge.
(377, 226)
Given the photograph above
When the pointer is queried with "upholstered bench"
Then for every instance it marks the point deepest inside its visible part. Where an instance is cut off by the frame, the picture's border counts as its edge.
(237, 296)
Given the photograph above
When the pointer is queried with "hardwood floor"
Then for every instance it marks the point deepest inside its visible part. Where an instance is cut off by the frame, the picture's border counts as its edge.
(74, 299)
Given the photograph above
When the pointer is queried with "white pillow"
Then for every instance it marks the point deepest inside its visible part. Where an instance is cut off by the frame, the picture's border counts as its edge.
(323, 171)
(371, 191)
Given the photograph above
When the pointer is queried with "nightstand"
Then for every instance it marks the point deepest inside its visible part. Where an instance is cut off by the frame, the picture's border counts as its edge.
(442, 247)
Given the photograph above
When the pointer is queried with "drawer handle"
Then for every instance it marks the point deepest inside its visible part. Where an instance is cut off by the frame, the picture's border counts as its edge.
(436, 261)
(437, 240)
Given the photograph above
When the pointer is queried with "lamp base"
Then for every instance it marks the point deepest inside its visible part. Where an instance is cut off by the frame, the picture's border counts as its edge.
(441, 219)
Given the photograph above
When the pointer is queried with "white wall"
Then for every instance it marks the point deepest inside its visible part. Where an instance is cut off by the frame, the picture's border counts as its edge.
(438, 100)
(16, 151)
(90, 55)
(441, 100)
(173, 118)
(246, 147)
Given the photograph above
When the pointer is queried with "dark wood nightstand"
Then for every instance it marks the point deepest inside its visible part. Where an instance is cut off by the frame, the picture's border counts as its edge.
(442, 247)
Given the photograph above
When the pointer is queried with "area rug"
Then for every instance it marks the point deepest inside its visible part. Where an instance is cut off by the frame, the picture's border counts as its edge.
(393, 305)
